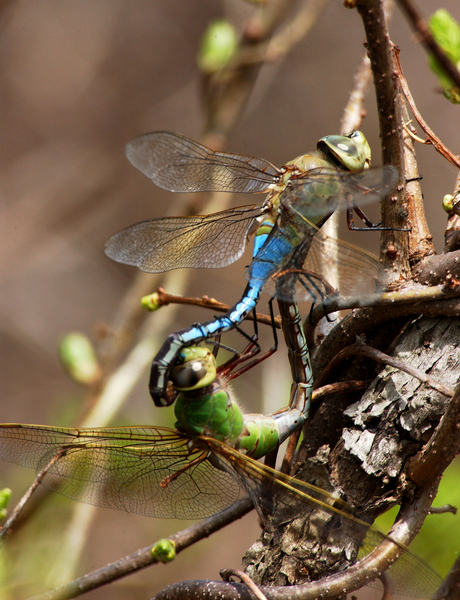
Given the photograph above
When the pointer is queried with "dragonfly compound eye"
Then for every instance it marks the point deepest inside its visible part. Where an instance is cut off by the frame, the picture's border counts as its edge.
(194, 369)
(346, 152)
(189, 375)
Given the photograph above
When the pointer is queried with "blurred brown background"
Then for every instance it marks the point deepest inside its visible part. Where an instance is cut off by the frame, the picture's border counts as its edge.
(78, 80)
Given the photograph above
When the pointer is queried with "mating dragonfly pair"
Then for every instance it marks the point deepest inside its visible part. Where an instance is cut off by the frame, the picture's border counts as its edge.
(290, 252)
(197, 469)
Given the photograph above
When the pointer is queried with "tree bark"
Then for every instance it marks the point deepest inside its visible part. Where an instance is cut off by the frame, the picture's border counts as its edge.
(359, 449)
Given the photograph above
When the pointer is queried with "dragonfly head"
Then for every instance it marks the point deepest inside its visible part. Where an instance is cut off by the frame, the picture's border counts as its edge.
(195, 368)
(351, 152)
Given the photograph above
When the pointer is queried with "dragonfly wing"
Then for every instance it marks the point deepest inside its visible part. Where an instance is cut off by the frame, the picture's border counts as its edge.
(124, 468)
(160, 245)
(370, 185)
(330, 265)
(178, 164)
(318, 518)
(312, 196)
(357, 269)
(410, 575)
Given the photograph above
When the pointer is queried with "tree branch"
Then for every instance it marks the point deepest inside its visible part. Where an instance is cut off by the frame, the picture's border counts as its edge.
(394, 248)
(410, 519)
(432, 137)
(143, 558)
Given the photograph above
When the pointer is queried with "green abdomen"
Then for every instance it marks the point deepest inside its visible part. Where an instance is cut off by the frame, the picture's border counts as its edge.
(260, 436)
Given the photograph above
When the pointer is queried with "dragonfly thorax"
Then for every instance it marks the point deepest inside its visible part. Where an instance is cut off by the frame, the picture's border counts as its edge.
(313, 201)
(209, 411)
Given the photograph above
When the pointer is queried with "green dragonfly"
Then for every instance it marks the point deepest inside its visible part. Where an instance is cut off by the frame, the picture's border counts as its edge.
(195, 470)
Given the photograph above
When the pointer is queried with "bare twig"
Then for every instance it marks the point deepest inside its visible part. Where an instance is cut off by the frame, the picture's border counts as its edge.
(363, 350)
(420, 26)
(440, 510)
(121, 381)
(286, 38)
(20, 505)
(420, 238)
(226, 574)
(413, 295)
(162, 298)
(442, 269)
(227, 91)
(433, 138)
(143, 558)
(394, 248)
(339, 387)
(354, 110)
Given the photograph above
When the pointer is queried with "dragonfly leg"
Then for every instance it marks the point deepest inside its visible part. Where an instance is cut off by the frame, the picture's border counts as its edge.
(308, 281)
(251, 350)
(370, 226)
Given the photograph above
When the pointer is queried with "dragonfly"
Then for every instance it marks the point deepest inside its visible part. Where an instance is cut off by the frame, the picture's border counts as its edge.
(301, 197)
(197, 469)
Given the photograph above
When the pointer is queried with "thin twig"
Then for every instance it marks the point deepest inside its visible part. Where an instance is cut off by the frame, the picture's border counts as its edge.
(286, 38)
(420, 239)
(162, 298)
(121, 382)
(394, 247)
(226, 574)
(443, 269)
(143, 558)
(23, 501)
(433, 138)
(227, 91)
(354, 110)
(339, 387)
(412, 295)
(440, 510)
(420, 26)
(363, 350)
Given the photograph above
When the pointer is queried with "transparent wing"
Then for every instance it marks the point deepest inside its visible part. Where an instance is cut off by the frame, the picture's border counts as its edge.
(124, 468)
(281, 499)
(355, 270)
(308, 269)
(312, 196)
(178, 164)
(205, 242)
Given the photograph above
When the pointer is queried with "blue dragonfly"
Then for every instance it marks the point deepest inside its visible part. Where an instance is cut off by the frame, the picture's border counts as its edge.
(302, 195)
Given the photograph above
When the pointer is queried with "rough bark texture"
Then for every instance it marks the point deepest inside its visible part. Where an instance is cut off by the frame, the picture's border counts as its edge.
(359, 448)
